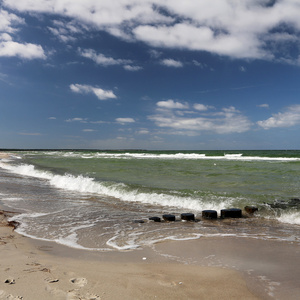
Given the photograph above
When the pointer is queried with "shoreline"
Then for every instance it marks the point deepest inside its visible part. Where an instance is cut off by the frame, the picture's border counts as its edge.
(35, 269)
(204, 268)
(196, 269)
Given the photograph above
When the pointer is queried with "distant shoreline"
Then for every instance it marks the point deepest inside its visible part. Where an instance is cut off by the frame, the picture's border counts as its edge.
(139, 150)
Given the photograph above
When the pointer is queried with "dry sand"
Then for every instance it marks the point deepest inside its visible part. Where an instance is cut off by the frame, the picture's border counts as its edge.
(38, 270)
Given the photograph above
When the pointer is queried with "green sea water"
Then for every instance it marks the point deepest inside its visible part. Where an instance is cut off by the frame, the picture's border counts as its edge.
(116, 187)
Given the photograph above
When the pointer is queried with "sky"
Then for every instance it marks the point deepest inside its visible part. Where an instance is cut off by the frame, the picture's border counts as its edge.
(150, 74)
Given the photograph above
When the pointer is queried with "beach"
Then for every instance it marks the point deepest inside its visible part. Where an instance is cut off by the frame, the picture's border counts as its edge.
(198, 269)
(72, 243)
(37, 270)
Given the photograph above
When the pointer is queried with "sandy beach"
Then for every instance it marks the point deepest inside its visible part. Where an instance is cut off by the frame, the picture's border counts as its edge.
(40, 270)
(198, 269)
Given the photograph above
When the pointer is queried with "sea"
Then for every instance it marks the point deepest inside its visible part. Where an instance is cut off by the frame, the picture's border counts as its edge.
(102, 200)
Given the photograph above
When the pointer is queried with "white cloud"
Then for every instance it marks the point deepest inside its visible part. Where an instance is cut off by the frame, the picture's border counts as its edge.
(8, 48)
(228, 120)
(171, 104)
(202, 107)
(81, 120)
(8, 21)
(199, 64)
(62, 34)
(154, 53)
(124, 121)
(143, 131)
(132, 68)
(290, 117)
(238, 29)
(104, 14)
(67, 31)
(101, 59)
(89, 130)
(25, 51)
(265, 105)
(5, 37)
(172, 63)
(99, 122)
(86, 89)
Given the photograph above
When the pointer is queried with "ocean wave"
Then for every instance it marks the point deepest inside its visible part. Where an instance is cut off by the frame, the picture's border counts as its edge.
(120, 191)
(168, 156)
(290, 217)
(126, 193)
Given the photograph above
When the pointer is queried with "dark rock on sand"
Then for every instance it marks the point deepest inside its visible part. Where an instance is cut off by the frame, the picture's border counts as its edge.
(209, 214)
(188, 217)
(155, 219)
(170, 218)
(138, 221)
(10, 281)
(231, 213)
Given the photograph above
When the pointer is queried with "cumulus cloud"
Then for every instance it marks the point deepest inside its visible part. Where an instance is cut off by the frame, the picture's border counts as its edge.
(108, 14)
(238, 29)
(9, 21)
(25, 51)
(202, 107)
(169, 62)
(290, 117)
(87, 89)
(124, 121)
(171, 104)
(8, 48)
(227, 120)
(202, 38)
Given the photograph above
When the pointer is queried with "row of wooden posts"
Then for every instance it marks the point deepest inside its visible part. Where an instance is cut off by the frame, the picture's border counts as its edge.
(208, 214)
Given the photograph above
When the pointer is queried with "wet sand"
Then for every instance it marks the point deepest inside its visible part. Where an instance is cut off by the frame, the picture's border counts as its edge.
(270, 268)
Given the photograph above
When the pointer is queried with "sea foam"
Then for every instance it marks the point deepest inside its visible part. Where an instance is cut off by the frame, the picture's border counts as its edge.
(119, 191)
(169, 156)
(290, 217)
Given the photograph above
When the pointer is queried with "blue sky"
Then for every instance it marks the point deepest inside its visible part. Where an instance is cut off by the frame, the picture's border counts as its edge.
(150, 74)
